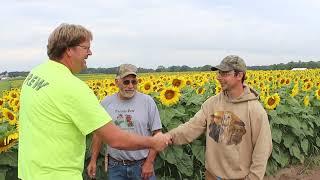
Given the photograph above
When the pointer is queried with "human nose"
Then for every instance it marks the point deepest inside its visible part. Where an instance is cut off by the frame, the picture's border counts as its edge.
(89, 52)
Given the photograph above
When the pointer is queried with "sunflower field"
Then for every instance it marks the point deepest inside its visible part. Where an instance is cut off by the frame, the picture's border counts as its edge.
(291, 99)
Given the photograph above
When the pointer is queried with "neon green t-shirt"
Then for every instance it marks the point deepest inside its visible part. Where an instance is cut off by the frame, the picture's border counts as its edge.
(57, 111)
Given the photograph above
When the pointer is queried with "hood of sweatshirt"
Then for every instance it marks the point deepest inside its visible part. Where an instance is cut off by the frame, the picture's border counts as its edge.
(248, 95)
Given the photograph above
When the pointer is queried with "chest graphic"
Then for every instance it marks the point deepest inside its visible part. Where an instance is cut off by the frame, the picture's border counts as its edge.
(226, 128)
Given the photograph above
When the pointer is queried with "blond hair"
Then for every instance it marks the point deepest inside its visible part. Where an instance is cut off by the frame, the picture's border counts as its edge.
(64, 36)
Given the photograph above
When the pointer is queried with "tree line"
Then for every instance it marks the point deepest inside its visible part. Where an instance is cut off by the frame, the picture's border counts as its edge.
(184, 68)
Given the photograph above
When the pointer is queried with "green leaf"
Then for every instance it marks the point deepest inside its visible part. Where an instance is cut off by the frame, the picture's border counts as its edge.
(185, 165)
(293, 122)
(282, 109)
(195, 99)
(274, 118)
(179, 111)
(272, 167)
(318, 141)
(288, 140)
(293, 102)
(198, 151)
(166, 115)
(9, 158)
(281, 157)
(297, 153)
(3, 129)
(298, 132)
(276, 135)
(3, 173)
(305, 146)
(172, 154)
(173, 124)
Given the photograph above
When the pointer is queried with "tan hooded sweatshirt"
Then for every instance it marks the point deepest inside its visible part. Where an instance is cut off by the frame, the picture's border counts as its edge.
(238, 135)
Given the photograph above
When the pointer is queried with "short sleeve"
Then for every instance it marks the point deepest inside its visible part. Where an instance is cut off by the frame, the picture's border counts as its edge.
(85, 111)
(154, 117)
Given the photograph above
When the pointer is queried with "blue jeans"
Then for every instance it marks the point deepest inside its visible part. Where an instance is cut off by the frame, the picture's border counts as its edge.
(119, 171)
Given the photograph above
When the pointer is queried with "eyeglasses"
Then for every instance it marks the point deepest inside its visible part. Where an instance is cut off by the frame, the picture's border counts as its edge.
(225, 73)
(127, 82)
(84, 47)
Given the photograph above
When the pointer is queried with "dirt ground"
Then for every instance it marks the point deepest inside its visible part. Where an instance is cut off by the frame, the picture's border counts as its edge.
(296, 173)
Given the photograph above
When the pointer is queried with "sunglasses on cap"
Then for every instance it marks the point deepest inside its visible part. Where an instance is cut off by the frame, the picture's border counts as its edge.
(127, 82)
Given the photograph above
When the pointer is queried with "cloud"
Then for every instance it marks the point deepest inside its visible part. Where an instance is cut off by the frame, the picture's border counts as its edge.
(153, 32)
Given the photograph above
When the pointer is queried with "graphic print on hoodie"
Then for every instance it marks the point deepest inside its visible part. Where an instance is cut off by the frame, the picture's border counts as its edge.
(226, 128)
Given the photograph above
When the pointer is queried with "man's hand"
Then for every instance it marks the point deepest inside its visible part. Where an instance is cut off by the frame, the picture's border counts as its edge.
(91, 169)
(161, 141)
(147, 170)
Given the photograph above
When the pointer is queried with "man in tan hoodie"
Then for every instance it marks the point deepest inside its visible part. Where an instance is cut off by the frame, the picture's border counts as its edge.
(238, 135)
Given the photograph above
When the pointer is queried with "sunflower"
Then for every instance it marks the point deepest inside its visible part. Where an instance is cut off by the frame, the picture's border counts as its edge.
(306, 100)
(178, 83)
(288, 81)
(317, 93)
(282, 81)
(1, 102)
(295, 90)
(307, 86)
(8, 142)
(201, 90)
(170, 96)
(147, 87)
(188, 82)
(9, 116)
(14, 94)
(271, 102)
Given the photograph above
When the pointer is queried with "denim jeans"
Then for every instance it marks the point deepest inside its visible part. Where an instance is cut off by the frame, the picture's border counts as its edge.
(118, 171)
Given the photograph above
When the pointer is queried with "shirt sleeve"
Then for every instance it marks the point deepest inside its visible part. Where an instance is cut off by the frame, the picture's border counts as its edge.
(85, 111)
(154, 117)
(189, 131)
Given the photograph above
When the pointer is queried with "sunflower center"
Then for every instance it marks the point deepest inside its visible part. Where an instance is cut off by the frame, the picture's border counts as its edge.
(169, 94)
(188, 82)
(319, 92)
(271, 101)
(14, 95)
(147, 86)
(176, 82)
(200, 90)
(1, 102)
(10, 116)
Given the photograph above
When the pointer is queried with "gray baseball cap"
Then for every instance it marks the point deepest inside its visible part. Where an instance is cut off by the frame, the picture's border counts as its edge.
(126, 69)
(231, 62)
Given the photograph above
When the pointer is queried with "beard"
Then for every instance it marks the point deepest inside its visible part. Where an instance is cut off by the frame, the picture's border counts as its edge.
(127, 94)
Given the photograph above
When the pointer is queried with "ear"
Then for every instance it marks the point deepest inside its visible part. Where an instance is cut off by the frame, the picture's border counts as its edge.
(117, 82)
(68, 52)
(240, 75)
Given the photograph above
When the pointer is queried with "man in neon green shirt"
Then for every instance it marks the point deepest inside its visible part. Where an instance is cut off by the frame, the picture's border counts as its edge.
(58, 110)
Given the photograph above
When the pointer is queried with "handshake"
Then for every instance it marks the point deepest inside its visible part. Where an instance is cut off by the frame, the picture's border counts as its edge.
(160, 141)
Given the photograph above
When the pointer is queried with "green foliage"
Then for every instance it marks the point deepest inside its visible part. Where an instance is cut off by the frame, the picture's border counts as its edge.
(295, 133)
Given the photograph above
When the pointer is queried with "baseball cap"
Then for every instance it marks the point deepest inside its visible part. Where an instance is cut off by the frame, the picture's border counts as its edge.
(126, 69)
(231, 62)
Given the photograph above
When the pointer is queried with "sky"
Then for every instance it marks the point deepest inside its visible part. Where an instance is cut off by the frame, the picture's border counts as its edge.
(150, 33)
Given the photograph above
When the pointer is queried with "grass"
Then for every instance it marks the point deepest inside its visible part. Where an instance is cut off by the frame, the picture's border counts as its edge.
(4, 85)
(17, 82)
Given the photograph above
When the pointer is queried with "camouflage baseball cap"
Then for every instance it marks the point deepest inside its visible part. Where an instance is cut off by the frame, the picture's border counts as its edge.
(231, 62)
(126, 69)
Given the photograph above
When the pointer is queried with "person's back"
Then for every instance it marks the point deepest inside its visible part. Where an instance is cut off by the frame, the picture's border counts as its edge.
(50, 141)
